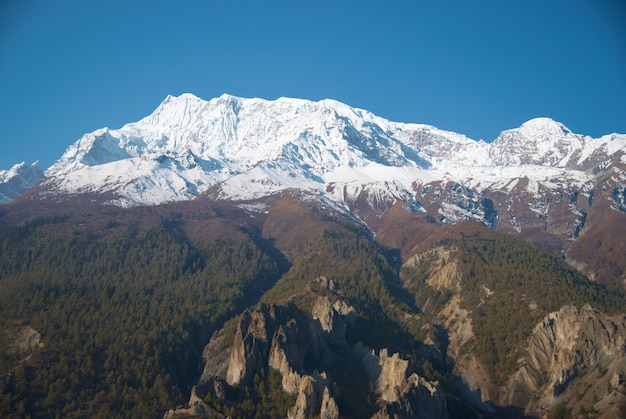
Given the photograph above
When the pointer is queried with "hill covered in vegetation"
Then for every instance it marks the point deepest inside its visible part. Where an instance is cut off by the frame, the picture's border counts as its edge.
(125, 301)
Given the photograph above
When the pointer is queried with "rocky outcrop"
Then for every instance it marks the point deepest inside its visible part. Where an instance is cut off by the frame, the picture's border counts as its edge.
(333, 319)
(278, 337)
(401, 392)
(570, 351)
(269, 334)
(468, 374)
(22, 340)
(19, 341)
(282, 337)
(197, 408)
(215, 357)
(291, 341)
(573, 356)
(329, 408)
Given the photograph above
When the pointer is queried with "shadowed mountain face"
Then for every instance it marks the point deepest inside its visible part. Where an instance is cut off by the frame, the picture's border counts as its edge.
(316, 260)
(19, 179)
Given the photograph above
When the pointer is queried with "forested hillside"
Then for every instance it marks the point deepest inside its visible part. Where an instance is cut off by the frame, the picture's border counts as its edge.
(509, 286)
(123, 312)
(125, 300)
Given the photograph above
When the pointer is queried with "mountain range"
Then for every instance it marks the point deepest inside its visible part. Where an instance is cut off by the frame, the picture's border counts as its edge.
(540, 181)
(382, 269)
(239, 149)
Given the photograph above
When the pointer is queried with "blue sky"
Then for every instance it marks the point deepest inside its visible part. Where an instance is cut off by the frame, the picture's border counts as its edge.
(475, 67)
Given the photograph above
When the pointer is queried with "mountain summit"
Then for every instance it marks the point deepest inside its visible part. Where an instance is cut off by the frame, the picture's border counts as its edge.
(188, 145)
(17, 180)
(238, 149)
(248, 148)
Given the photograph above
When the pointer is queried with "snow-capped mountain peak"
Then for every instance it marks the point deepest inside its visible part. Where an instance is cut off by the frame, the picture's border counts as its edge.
(540, 141)
(543, 127)
(18, 179)
(197, 144)
(240, 149)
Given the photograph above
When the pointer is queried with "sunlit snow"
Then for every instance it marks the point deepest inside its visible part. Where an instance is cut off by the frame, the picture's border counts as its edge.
(249, 148)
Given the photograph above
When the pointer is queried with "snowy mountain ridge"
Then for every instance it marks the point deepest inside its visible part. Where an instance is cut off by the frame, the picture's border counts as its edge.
(242, 149)
(187, 145)
(18, 179)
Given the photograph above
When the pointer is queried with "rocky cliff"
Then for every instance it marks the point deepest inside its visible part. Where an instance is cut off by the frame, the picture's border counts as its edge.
(403, 393)
(573, 359)
(310, 351)
(572, 354)
(282, 337)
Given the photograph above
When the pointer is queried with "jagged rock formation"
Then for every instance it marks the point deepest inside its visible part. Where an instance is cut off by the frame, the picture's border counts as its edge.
(404, 394)
(575, 357)
(333, 319)
(562, 349)
(284, 338)
(467, 371)
(291, 336)
(279, 337)
(197, 408)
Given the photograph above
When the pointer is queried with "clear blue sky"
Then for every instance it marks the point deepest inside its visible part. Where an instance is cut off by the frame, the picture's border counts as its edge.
(475, 67)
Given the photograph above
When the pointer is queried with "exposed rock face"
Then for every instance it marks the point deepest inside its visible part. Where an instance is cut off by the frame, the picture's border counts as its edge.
(572, 356)
(468, 373)
(215, 358)
(23, 340)
(404, 394)
(284, 338)
(269, 333)
(281, 337)
(329, 409)
(197, 408)
(333, 319)
(20, 340)
(562, 349)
